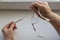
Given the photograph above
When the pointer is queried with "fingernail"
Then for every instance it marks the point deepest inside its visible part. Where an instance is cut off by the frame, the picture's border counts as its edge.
(15, 27)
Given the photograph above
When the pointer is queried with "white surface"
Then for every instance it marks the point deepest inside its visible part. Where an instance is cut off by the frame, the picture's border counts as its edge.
(25, 30)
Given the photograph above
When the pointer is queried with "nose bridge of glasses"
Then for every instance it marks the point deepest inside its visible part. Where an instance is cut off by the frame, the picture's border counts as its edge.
(34, 19)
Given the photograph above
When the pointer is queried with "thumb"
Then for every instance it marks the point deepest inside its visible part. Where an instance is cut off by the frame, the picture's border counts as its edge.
(13, 26)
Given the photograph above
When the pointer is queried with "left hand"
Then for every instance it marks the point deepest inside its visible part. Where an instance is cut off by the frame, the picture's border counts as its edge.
(8, 31)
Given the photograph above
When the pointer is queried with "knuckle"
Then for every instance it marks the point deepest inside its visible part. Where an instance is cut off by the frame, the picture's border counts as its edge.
(42, 6)
(4, 30)
(45, 3)
(10, 30)
(35, 3)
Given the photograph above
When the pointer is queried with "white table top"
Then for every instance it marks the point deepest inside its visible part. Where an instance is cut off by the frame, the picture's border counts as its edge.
(25, 30)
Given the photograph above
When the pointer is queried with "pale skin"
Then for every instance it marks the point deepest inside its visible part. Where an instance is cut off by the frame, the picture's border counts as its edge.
(44, 9)
(8, 31)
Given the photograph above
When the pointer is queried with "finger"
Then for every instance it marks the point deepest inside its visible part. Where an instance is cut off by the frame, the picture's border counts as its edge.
(41, 16)
(13, 26)
(46, 3)
(34, 8)
(7, 25)
(38, 14)
(41, 2)
(38, 5)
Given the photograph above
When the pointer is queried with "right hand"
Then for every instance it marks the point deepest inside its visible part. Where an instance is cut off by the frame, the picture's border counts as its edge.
(43, 8)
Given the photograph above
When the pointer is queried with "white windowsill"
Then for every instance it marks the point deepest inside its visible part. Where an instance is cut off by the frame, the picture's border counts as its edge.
(28, 0)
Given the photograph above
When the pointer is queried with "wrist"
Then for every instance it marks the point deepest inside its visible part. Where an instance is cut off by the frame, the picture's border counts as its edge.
(9, 38)
(50, 15)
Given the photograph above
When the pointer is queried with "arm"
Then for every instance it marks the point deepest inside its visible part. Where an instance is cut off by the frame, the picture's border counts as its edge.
(55, 21)
(8, 31)
(45, 11)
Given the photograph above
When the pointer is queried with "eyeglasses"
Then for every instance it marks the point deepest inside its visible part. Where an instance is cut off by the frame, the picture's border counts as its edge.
(19, 20)
(34, 20)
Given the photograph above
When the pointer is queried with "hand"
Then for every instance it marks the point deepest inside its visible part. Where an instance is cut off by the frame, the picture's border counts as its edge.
(45, 11)
(42, 7)
(8, 31)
